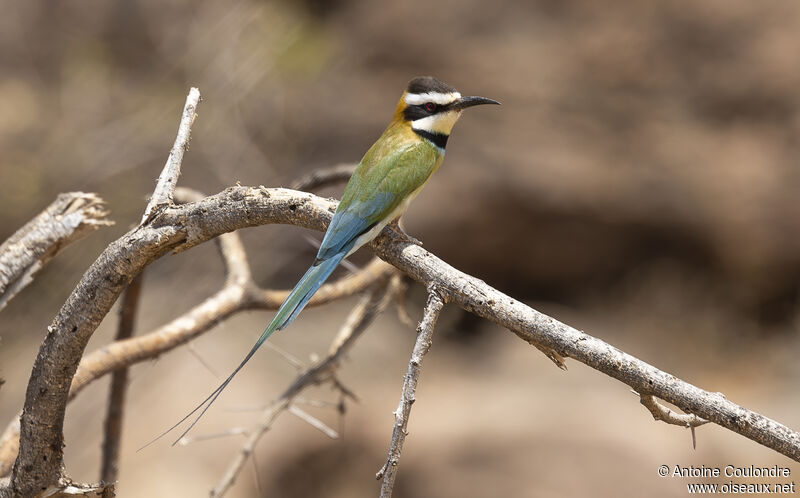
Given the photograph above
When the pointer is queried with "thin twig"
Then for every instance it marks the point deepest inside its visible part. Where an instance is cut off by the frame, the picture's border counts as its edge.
(68, 219)
(119, 383)
(162, 195)
(318, 403)
(267, 419)
(234, 431)
(287, 356)
(359, 319)
(256, 476)
(424, 337)
(324, 177)
(313, 421)
(197, 356)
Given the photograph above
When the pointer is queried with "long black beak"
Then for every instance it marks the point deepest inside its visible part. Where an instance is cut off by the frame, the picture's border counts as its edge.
(465, 102)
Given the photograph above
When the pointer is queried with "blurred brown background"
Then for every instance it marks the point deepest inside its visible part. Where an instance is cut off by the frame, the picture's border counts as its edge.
(639, 182)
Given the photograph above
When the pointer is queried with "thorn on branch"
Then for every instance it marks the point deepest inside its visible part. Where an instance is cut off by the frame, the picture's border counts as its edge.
(553, 356)
(664, 414)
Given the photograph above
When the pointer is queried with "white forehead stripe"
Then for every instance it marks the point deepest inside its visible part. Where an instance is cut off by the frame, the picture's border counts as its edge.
(436, 97)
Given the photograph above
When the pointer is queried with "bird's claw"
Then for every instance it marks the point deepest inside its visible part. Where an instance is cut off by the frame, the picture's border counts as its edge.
(408, 238)
(411, 239)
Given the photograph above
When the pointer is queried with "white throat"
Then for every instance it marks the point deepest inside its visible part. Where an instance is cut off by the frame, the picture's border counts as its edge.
(440, 123)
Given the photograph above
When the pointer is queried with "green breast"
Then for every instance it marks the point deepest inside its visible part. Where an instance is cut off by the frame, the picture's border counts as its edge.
(397, 164)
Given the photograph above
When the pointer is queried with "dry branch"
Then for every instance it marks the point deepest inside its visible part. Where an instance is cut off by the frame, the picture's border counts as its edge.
(180, 227)
(423, 343)
(68, 219)
(168, 179)
(324, 177)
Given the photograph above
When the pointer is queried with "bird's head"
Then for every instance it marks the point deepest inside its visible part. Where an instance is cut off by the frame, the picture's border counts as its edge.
(433, 107)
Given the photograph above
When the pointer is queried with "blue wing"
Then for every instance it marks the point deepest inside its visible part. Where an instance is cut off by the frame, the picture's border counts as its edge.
(356, 219)
(388, 173)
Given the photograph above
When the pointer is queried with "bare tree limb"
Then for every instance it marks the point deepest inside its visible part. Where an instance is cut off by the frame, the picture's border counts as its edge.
(168, 179)
(180, 227)
(119, 386)
(68, 219)
(359, 319)
(423, 343)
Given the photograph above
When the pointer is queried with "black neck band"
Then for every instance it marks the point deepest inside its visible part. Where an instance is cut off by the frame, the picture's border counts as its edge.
(437, 139)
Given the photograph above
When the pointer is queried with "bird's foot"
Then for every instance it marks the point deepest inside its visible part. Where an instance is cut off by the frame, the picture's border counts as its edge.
(397, 228)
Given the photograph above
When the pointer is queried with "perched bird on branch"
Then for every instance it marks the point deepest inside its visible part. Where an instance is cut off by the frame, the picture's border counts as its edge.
(387, 179)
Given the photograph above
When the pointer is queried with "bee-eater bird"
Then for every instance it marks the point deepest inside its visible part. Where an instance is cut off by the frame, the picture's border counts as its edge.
(387, 179)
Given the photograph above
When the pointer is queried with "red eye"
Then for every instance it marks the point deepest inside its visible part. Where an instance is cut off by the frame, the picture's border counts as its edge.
(430, 107)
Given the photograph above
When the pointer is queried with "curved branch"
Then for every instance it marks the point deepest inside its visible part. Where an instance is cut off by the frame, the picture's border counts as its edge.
(238, 294)
(180, 227)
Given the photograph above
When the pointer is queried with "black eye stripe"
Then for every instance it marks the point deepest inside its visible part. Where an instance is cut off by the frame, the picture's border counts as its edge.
(414, 112)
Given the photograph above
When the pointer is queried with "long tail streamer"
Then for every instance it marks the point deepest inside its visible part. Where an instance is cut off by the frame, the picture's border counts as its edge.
(291, 307)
